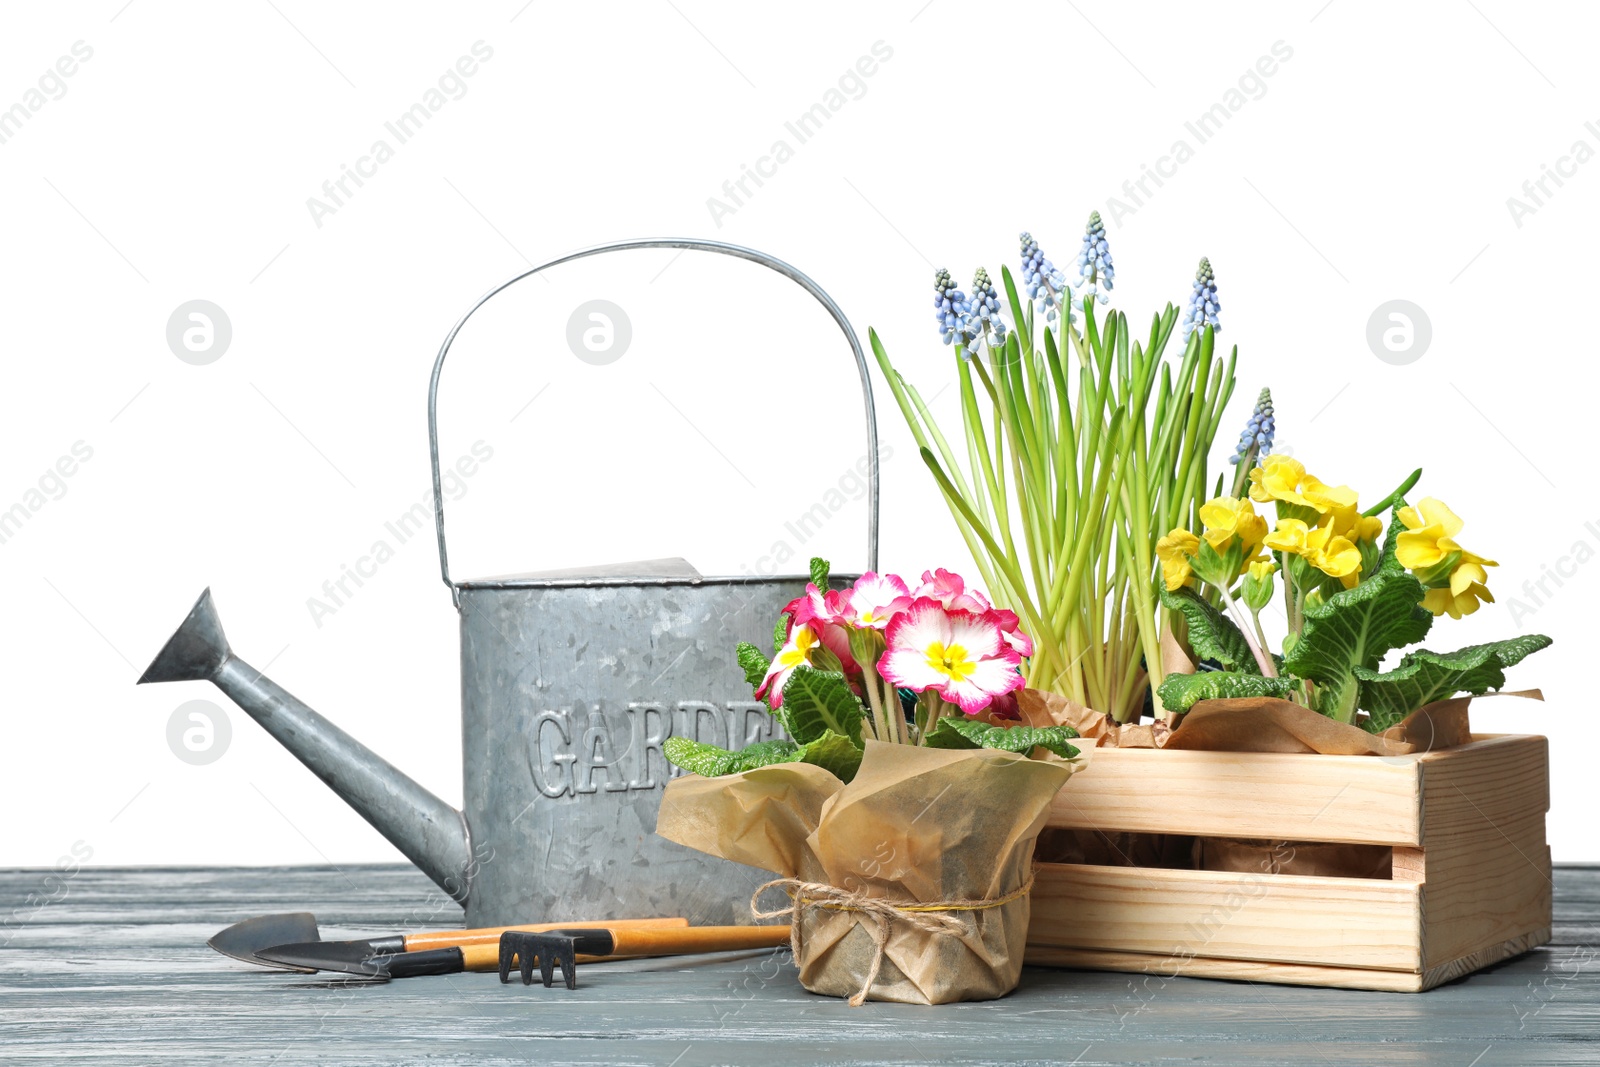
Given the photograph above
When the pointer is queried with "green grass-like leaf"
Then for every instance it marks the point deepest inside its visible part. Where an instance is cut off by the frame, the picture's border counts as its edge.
(815, 702)
(754, 662)
(709, 761)
(1212, 634)
(836, 753)
(1180, 692)
(1423, 677)
(969, 733)
(1355, 628)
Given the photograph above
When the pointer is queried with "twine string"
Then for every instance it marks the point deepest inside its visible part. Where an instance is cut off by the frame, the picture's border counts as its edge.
(930, 917)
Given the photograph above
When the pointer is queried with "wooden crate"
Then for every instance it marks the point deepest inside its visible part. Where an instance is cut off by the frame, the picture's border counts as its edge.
(1471, 869)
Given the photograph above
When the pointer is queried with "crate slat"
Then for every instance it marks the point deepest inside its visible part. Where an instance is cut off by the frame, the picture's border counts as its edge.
(1331, 922)
(1348, 799)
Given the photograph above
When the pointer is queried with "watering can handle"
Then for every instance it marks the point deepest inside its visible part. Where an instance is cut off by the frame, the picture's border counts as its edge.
(737, 251)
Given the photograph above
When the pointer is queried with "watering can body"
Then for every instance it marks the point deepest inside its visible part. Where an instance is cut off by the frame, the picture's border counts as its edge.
(571, 684)
(568, 692)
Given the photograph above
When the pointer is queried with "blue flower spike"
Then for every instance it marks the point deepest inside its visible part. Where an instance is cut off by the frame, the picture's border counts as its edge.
(983, 320)
(1258, 431)
(1095, 271)
(1045, 285)
(1203, 303)
(951, 308)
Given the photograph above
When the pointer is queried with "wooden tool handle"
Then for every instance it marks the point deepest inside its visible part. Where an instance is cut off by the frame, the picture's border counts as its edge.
(683, 941)
(491, 935)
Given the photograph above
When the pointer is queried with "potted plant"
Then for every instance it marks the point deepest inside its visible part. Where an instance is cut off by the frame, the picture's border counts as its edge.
(900, 811)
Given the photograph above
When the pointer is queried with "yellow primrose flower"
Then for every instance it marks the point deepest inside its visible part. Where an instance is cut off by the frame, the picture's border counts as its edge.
(1350, 523)
(1175, 552)
(1226, 518)
(1277, 478)
(1290, 536)
(1467, 586)
(1262, 569)
(1333, 554)
(1446, 601)
(1285, 480)
(1469, 571)
(1429, 537)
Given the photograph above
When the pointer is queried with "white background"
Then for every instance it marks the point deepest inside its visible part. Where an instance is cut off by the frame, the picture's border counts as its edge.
(1374, 164)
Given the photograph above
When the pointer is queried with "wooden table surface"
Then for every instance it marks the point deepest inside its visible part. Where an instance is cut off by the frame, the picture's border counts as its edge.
(110, 966)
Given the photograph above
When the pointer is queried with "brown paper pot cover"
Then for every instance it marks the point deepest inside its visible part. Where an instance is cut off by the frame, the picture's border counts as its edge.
(916, 826)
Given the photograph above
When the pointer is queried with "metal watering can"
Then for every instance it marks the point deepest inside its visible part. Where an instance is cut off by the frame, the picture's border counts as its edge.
(570, 684)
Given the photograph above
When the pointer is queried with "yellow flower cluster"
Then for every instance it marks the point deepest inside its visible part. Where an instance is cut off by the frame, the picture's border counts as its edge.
(1455, 577)
(1320, 523)
(1322, 527)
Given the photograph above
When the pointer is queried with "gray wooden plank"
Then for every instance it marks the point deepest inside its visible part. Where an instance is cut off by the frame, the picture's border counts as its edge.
(111, 966)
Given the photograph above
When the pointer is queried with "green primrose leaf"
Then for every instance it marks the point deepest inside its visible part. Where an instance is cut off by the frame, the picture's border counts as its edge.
(836, 753)
(1212, 634)
(709, 761)
(754, 662)
(780, 633)
(1180, 692)
(970, 733)
(819, 572)
(1355, 628)
(815, 702)
(1423, 677)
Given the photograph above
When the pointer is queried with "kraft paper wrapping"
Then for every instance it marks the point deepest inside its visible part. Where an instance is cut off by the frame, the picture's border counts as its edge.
(1263, 724)
(1245, 855)
(916, 826)
(1097, 729)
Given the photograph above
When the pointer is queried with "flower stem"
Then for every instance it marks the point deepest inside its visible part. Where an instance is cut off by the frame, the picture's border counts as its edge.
(869, 682)
(1264, 661)
(934, 705)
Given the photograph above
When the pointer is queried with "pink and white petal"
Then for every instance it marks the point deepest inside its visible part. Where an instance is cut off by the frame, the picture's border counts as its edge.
(972, 601)
(808, 606)
(923, 624)
(772, 685)
(978, 634)
(908, 668)
(881, 588)
(1011, 632)
(942, 585)
(835, 606)
(1018, 642)
(988, 679)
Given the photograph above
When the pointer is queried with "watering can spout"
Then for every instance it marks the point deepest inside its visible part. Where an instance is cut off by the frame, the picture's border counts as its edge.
(430, 833)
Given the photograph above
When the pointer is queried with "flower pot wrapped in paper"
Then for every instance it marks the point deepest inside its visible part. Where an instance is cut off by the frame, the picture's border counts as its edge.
(910, 883)
(901, 827)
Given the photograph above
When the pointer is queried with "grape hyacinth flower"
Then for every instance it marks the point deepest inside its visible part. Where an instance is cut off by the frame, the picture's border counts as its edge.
(1203, 304)
(984, 315)
(951, 307)
(1258, 431)
(1045, 285)
(1094, 261)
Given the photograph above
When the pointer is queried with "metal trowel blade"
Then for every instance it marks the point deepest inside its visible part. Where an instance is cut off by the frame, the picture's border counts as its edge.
(348, 957)
(244, 939)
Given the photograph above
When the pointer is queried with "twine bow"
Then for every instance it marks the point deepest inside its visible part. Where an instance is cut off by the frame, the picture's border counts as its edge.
(931, 917)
